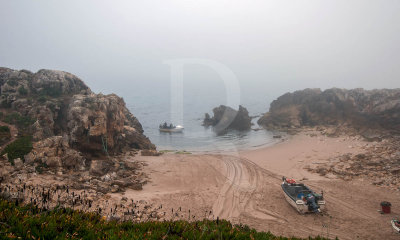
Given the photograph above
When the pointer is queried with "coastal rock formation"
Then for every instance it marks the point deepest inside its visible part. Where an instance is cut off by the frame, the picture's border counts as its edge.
(227, 118)
(68, 122)
(379, 164)
(52, 159)
(101, 123)
(54, 152)
(358, 108)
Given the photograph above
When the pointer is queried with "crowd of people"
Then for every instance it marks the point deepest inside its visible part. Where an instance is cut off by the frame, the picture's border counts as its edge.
(167, 126)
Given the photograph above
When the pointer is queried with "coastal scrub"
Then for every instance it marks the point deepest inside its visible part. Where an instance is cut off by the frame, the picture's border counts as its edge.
(30, 222)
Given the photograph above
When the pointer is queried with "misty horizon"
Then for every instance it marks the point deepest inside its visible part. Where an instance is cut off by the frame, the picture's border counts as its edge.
(271, 47)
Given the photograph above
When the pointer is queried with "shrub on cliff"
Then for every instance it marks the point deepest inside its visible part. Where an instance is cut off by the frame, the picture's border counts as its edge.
(22, 90)
(18, 149)
(51, 91)
(4, 129)
(5, 134)
(19, 120)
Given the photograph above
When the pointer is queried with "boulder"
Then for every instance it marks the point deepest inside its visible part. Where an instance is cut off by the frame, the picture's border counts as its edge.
(101, 167)
(115, 189)
(125, 182)
(371, 135)
(100, 186)
(150, 153)
(55, 152)
(226, 118)
(18, 164)
(137, 186)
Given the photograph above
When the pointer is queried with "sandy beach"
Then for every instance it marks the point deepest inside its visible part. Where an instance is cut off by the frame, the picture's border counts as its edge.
(244, 187)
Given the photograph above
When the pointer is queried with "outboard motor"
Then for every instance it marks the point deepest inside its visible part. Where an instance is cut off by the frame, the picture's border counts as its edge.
(311, 203)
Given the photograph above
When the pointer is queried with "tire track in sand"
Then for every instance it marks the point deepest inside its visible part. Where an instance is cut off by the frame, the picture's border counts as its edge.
(235, 196)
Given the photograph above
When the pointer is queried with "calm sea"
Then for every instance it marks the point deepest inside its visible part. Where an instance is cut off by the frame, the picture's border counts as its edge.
(151, 103)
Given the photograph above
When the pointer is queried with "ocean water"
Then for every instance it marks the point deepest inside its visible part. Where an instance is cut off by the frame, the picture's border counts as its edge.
(151, 104)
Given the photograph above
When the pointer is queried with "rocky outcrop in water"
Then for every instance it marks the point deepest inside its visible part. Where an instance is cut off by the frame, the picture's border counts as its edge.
(226, 118)
(367, 111)
(66, 119)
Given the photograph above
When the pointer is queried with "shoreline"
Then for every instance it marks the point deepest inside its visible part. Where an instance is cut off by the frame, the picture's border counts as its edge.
(244, 188)
(284, 137)
(220, 144)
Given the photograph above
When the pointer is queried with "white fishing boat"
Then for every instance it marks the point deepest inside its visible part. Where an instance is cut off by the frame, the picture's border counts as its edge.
(302, 198)
(171, 128)
(396, 225)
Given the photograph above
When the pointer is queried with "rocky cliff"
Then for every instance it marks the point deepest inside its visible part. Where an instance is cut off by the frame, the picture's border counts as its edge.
(52, 103)
(227, 118)
(362, 110)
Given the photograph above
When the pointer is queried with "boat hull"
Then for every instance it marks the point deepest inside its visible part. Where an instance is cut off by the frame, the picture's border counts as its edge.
(301, 208)
(177, 129)
(300, 205)
(396, 228)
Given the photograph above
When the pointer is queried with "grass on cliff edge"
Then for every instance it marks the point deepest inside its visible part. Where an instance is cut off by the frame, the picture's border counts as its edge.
(5, 134)
(18, 149)
(27, 222)
(16, 118)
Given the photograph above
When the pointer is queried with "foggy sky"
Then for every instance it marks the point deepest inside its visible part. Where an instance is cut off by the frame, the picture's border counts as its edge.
(271, 46)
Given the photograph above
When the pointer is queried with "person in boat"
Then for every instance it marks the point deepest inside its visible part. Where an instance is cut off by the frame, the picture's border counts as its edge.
(165, 125)
(171, 126)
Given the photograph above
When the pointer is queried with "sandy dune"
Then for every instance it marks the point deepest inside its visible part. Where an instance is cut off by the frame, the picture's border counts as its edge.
(244, 187)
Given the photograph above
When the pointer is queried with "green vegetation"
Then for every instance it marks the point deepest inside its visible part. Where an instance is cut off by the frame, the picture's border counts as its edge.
(19, 120)
(175, 151)
(5, 134)
(22, 91)
(166, 151)
(5, 104)
(23, 123)
(51, 91)
(4, 129)
(28, 222)
(18, 149)
(42, 98)
(13, 82)
(48, 92)
(40, 167)
(183, 152)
